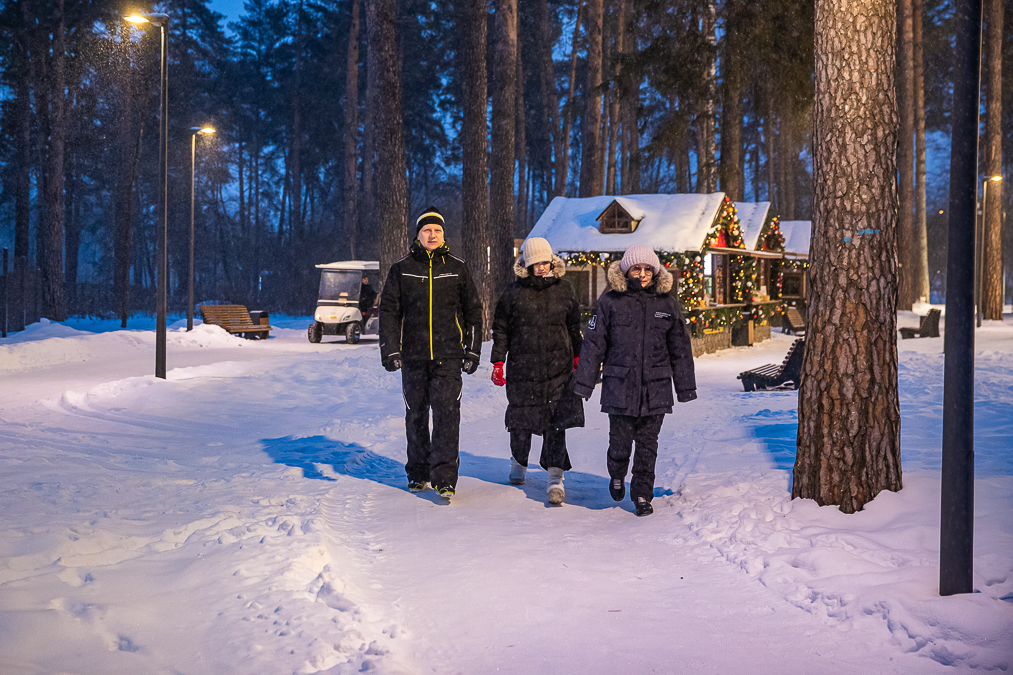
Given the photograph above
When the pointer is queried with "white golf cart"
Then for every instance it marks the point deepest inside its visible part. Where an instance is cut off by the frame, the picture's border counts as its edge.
(339, 311)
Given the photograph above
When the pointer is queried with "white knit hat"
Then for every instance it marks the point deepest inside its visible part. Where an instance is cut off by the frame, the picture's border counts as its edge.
(640, 255)
(537, 250)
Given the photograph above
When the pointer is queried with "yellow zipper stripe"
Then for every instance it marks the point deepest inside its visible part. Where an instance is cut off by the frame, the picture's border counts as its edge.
(431, 305)
(458, 322)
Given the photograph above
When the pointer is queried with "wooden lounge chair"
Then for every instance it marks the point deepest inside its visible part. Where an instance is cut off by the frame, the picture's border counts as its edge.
(792, 323)
(772, 375)
(927, 327)
(235, 319)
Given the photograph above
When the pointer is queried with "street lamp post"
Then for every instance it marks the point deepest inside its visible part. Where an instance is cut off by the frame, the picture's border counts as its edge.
(979, 253)
(193, 179)
(161, 281)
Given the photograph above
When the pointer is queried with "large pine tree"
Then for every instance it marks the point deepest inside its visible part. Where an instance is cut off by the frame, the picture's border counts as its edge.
(849, 410)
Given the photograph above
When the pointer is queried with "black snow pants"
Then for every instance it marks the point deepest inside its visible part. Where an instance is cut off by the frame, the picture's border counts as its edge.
(432, 385)
(624, 430)
(553, 453)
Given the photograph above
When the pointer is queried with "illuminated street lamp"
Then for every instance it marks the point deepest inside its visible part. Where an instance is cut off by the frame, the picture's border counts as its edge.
(161, 279)
(979, 257)
(193, 174)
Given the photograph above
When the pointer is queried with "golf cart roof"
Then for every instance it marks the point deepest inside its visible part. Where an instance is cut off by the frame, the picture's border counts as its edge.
(351, 265)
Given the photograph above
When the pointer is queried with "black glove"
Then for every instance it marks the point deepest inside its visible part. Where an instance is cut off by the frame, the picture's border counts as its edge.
(470, 364)
(686, 396)
(393, 362)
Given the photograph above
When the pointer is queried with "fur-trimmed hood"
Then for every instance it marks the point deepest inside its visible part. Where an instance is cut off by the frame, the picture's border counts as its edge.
(558, 267)
(662, 281)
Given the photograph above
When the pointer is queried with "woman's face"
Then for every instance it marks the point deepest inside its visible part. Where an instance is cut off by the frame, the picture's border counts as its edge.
(542, 268)
(643, 272)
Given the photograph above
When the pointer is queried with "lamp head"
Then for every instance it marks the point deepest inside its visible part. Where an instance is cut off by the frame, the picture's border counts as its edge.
(995, 179)
(202, 130)
(156, 19)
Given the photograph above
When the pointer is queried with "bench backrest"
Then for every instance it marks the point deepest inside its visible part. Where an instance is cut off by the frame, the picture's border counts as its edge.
(929, 324)
(792, 368)
(794, 317)
(226, 315)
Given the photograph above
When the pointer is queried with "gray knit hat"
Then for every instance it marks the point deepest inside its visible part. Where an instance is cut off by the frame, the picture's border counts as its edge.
(537, 250)
(640, 255)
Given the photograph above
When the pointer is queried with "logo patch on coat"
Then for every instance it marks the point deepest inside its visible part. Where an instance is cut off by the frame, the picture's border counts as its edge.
(662, 315)
(591, 323)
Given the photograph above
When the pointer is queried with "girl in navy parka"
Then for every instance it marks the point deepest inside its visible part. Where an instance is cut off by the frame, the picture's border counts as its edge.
(637, 336)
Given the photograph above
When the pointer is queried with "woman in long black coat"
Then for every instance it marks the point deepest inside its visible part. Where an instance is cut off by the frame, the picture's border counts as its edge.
(536, 331)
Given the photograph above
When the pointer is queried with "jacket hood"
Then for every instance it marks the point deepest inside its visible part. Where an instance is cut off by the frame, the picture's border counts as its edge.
(558, 267)
(662, 281)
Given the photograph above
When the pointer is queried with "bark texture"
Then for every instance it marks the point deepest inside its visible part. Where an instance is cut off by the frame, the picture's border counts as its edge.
(991, 268)
(591, 182)
(53, 298)
(905, 156)
(849, 412)
(391, 190)
(471, 16)
(351, 215)
(563, 158)
(501, 174)
(921, 237)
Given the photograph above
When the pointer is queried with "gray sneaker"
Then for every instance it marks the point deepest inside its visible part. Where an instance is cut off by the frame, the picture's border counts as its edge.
(517, 472)
(555, 486)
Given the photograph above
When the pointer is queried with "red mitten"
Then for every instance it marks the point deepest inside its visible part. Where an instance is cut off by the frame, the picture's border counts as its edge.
(576, 359)
(497, 374)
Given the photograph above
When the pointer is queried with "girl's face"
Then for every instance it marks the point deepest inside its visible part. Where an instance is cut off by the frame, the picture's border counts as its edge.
(542, 268)
(643, 272)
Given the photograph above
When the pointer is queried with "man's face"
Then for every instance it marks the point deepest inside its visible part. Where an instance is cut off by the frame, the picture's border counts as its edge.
(643, 272)
(542, 268)
(431, 236)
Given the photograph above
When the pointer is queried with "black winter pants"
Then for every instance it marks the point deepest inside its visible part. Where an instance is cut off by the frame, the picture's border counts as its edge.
(434, 385)
(553, 453)
(624, 430)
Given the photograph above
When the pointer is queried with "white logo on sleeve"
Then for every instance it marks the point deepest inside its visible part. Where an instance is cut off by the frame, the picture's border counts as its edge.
(591, 323)
(662, 315)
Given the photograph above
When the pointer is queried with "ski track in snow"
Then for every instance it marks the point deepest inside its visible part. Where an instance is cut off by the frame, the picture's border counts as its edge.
(250, 516)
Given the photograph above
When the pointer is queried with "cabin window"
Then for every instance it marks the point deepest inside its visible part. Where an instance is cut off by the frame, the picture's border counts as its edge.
(616, 224)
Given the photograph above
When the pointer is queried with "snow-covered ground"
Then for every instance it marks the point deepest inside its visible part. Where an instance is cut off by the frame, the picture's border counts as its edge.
(249, 515)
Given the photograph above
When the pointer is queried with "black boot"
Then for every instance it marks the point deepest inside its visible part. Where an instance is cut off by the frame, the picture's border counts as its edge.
(617, 488)
(644, 507)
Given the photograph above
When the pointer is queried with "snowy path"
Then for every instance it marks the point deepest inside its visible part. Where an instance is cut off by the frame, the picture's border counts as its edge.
(248, 515)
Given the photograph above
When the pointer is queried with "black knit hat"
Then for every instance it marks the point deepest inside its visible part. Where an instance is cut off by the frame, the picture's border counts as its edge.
(430, 215)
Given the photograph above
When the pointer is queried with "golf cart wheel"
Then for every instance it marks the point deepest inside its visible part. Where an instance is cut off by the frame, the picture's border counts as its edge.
(352, 332)
(315, 332)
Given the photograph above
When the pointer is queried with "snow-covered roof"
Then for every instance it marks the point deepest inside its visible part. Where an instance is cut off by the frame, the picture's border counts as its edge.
(672, 223)
(797, 234)
(351, 265)
(752, 216)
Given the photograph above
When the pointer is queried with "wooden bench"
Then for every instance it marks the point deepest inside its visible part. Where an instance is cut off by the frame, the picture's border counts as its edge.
(235, 319)
(927, 327)
(792, 323)
(772, 375)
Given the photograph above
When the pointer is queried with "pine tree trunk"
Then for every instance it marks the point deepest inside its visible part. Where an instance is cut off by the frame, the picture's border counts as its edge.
(707, 162)
(769, 133)
(520, 150)
(368, 223)
(991, 258)
(849, 411)
(350, 217)
(633, 124)
(905, 156)
(731, 115)
(129, 131)
(921, 240)
(391, 207)
(549, 92)
(501, 173)
(295, 150)
(616, 93)
(473, 21)
(591, 181)
(563, 158)
(53, 300)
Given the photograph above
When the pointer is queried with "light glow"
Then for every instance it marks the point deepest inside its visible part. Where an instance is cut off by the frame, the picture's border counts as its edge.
(136, 18)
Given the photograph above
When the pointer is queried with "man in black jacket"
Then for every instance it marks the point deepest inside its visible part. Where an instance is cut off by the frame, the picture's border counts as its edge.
(431, 329)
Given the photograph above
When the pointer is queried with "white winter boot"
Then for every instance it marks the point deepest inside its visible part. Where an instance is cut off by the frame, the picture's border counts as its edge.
(555, 486)
(517, 472)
